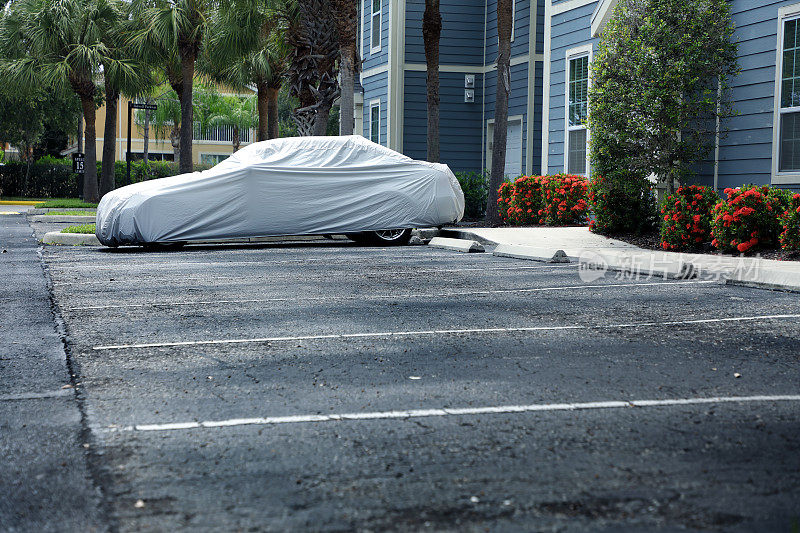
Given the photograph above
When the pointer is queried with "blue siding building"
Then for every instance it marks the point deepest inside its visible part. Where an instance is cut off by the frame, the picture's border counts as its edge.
(552, 48)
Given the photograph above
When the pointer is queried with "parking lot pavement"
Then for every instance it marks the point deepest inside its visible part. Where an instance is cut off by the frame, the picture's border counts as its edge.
(321, 385)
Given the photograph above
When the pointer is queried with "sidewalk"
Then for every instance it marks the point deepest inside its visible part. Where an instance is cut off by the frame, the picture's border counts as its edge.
(579, 243)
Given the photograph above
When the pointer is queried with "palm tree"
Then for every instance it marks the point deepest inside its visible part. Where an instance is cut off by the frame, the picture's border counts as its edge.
(235, 111)
(248, 49)
(58, 43)
(173, 33)
(166, 120)
(504, 18)
(346, 17)
(115, 84)
(311, 31)
(431, 31)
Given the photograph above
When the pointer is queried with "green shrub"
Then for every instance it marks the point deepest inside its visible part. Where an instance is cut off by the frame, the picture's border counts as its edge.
(475, 186)
(748, 220)
(622, 202)
(46, 178)
(790, 220)
(687, 217)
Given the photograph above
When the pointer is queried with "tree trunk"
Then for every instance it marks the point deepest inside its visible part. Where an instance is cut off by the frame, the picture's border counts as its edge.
(109, 142)
(80, 135)
(262, 97)
(90, 166)
(236, 141)
(321, 119)
(272, 112)
(500, 108)
(175, 140)
(146, 135)
(431, 31)
(346, 102)
(187, 113)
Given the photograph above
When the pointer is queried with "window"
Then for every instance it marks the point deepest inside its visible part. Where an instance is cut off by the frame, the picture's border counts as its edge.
(789, 109)
(375, 30)
(375, 122)
(577, 114)
(213, 159)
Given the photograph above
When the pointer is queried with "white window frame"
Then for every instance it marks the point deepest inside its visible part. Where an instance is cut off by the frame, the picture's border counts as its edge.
(376, 103)
(373, 48)
(575, 53)
(791, 177)
(513, 18)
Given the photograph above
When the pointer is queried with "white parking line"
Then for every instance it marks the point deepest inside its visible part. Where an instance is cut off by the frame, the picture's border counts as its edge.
(384, 296)
(383, 334)
(297, 275)
(36, 395)
(418, 413)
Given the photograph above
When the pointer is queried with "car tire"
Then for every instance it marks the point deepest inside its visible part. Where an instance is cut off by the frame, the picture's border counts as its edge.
(395, 237)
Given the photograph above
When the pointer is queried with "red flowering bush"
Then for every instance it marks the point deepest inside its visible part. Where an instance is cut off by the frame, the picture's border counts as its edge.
(621, 202)
(790, 237)
(687, 217)
(528, 199)
(565, 200)
(505, 203)
(747, 221)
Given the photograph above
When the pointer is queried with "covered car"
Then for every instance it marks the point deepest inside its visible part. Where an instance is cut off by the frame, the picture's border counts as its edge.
(291, 186)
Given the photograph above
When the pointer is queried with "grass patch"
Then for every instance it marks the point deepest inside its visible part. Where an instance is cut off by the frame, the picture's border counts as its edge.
(69, 203)
(70, 213)
(79, 228)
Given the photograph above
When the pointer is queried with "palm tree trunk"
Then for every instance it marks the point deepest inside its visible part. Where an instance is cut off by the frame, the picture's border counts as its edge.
(187, 113)
(175, 140)
(321, 120)
(500, 108)
(272, 112)
(262, 97)
(109, 142)
(431, 31)
(346, 103)
(90, 167)
(236, 141)
(80, 135)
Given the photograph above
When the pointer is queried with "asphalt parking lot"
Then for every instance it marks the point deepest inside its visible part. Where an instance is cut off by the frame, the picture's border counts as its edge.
(325, 386)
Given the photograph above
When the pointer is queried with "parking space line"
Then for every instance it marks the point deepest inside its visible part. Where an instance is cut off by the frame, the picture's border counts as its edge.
(385, 334)
(386, 296)
(36, 395)
(326, 273)
(442, 412)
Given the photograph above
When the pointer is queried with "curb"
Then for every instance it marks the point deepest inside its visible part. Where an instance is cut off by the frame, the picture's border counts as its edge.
(465, 235)
(457, 245)
(768, 279)
(72, 239)
(20, 202)
(531, 253)
(647, 264)
(43, 210)
(62, 218)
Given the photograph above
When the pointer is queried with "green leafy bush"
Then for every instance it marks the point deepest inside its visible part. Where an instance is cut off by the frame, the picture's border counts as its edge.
(46, 178)
(622, 202)
(747, 221)
(687, 217)
(790, 219)
(475, 186)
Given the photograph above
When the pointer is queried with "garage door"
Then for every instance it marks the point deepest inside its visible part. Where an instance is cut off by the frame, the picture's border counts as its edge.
(513, 166)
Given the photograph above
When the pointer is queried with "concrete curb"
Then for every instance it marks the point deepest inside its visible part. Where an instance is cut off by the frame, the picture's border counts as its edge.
(55, 219)
(767, 279)
(639, 264)
(72, 239)
(43, 210)
(454, 233)
(457, 245)
(531, 253)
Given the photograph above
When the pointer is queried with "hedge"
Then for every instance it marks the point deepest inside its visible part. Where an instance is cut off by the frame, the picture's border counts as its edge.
(475, 186)
(50, 177)
(558, 200)
(748, 220)
(687, 217)
(622, 202)
(790, 221)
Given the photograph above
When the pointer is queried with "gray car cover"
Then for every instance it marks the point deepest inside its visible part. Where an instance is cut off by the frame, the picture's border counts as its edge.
(292, 186)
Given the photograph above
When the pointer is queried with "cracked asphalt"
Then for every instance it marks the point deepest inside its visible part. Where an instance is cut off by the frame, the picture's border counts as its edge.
(301, 329)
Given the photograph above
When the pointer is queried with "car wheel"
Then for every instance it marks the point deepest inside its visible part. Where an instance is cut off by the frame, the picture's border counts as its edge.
(390, 237)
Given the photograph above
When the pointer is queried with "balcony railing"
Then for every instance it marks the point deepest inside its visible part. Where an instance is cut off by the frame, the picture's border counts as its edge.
(221, 133)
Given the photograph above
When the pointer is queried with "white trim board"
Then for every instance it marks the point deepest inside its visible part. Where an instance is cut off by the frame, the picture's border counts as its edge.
(601, 15)
(474, 69)
(548, 29)
(776, 177)
(569, 5)
(530, 104)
